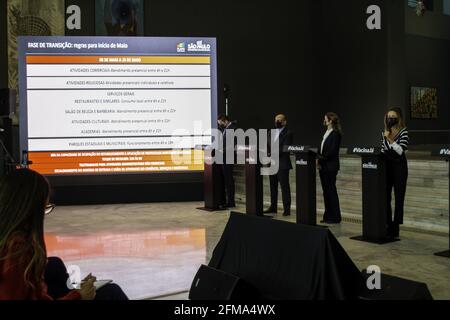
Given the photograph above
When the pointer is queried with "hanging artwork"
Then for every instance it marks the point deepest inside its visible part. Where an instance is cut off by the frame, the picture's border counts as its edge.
(424, 103)
(119, 17)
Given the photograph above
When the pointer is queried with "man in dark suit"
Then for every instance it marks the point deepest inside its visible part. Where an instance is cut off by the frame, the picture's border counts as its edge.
(225, 125)
(284, 138)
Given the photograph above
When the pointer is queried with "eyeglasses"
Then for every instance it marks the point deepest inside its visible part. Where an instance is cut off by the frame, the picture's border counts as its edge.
(49, 208)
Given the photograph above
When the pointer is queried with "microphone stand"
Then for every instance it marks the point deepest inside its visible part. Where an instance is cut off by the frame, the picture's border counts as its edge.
(226, 91)
(10, 161)
(25, 162)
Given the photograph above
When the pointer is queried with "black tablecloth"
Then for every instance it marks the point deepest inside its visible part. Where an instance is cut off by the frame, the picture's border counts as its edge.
(285, 260)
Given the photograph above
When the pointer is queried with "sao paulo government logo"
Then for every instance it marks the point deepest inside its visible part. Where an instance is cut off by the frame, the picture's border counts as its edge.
(181, 47)
(199, 46)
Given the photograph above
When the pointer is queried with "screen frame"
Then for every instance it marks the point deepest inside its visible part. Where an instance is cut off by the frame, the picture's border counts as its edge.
(138, 49)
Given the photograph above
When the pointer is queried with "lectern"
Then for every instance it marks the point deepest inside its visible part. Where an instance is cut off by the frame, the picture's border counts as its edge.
(444, 153)
(374, 197)
(305, 179)
(253, 181)
(212, 187)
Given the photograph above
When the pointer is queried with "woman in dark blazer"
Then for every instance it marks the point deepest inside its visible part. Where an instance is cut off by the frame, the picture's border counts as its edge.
(329, 166)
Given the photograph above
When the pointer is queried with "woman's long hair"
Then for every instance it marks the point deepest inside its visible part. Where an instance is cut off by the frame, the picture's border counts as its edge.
(335, 121)
(23, 196)
(401, 120)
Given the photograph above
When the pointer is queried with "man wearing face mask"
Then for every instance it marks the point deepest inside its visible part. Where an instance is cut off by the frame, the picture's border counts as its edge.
(284, 138)
(225, 125)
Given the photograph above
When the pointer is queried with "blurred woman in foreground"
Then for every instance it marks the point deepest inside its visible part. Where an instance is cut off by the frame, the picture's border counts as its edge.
(24, 201)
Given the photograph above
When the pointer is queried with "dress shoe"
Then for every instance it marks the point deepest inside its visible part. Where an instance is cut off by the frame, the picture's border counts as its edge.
(393, 233)
(231, 205)
(270, 210)
(390, 235)
(396, 231)
(286, 214)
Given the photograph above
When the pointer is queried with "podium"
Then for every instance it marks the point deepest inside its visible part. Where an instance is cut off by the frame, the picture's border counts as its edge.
(444, 153)
(254, 192)
(305, 180)
(374, 197)
(212, 181)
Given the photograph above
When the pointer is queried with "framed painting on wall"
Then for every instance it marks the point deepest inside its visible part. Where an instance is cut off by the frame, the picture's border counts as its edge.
(424, 103)
(119, 17)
